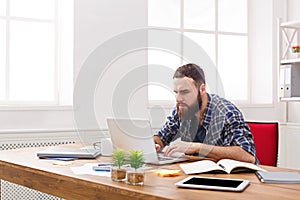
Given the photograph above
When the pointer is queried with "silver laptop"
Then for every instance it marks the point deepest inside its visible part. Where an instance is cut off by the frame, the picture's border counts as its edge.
(136, 134)
(62, 152)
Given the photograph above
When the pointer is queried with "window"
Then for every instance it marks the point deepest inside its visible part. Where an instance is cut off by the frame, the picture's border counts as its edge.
(219, 27)
(36, 44)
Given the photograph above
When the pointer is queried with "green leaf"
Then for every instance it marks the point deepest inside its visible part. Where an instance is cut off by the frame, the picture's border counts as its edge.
(136, 159)
(118, 157)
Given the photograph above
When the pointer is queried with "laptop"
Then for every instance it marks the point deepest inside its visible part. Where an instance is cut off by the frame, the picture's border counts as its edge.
(137, 134)
(65, 152)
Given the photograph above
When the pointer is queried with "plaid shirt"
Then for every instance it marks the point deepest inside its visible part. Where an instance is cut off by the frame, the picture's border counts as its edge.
(223, 125)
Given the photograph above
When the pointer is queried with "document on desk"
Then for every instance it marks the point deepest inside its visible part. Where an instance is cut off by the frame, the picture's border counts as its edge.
(88, 169)
(278, 177)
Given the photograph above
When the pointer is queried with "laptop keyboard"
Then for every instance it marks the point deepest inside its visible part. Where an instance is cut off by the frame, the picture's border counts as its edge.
(162, 158)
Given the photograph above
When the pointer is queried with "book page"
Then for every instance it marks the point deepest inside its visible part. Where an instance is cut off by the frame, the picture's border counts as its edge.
(201, 166)
(230, 165)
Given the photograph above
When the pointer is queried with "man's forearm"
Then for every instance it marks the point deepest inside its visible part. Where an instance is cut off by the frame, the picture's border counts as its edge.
(230, 152)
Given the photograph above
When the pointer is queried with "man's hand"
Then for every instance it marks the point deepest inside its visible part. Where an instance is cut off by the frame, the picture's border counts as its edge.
(157, 147)
(158, 143)
(183, 147)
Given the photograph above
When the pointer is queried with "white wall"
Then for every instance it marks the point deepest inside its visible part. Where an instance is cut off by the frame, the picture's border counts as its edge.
(293, 10)
(102, 53)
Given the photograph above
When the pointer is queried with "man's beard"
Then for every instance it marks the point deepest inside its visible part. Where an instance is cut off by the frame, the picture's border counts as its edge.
(189, 113)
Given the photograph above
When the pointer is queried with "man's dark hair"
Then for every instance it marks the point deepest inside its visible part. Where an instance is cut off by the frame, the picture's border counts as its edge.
(192, 71)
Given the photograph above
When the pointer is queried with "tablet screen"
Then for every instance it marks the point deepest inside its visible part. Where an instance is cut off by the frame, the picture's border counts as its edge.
(213, 182)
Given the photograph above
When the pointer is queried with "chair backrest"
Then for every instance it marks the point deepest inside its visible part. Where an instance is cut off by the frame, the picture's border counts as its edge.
(265, 136)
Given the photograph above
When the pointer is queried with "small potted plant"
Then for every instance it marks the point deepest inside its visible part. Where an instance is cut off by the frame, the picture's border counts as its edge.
(118, 171)
(296, 49)
(135, 174)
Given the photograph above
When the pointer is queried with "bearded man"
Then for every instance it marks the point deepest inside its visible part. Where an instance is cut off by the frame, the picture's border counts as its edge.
(204, 124)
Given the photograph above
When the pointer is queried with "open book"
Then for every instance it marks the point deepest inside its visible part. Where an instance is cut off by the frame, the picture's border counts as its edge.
(222, 166)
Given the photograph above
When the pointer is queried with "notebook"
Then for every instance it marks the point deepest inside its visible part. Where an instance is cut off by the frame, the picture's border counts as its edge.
(63, 152)
(278, 177)
(136, 134)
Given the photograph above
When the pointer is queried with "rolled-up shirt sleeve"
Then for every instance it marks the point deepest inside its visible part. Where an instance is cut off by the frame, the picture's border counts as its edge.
(238, 133)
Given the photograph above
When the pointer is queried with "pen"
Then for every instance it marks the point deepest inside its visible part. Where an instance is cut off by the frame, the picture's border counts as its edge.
(102, 168)
(104, 164)
(259, 176)
(222, 166)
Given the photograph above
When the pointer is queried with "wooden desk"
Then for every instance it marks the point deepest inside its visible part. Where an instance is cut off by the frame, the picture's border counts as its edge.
(24, 168)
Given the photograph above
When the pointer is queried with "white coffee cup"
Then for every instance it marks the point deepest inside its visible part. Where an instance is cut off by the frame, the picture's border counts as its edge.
(106, 147)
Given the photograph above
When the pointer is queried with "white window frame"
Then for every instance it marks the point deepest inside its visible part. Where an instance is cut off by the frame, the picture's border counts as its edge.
(244, 104)
(62, 94)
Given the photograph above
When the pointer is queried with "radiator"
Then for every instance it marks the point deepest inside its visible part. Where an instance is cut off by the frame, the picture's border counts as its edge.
(11, 191)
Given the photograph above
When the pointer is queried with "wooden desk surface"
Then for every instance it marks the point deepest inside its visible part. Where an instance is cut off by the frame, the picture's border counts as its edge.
(23, 167)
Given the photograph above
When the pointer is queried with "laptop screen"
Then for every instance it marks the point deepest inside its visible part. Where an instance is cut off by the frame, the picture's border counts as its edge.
(133, 134)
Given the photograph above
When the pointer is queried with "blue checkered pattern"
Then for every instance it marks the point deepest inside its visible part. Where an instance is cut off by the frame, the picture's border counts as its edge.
(223, 125)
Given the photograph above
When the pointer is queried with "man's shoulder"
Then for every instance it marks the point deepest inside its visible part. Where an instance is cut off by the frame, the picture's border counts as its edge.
(216, 99)
(221, 103)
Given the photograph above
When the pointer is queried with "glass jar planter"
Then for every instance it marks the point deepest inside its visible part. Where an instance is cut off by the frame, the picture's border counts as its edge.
(118, 174)
(135, 176)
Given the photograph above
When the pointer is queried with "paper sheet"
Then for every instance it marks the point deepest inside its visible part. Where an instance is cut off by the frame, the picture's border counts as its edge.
(88, 169)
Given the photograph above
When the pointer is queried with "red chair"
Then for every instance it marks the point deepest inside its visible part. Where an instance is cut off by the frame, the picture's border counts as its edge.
(265, 136)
